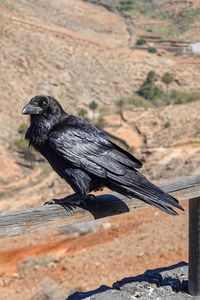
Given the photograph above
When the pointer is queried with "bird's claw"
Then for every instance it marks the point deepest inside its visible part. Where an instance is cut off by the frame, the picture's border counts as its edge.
(51, 202)
(69, 206)
(70, 203)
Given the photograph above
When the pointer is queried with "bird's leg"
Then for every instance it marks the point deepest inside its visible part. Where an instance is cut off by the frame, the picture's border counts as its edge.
(69, 202)
(72, 201)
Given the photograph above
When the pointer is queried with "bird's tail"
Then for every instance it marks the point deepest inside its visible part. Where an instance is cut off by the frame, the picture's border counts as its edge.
(136, 185)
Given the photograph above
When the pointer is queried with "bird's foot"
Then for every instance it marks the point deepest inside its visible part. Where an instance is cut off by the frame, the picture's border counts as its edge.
(70, 203)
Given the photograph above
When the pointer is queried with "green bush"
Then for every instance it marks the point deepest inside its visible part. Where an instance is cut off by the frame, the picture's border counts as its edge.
(21, 144)
(151, 76)
(22, 128)
(186, 18)
(197, 133)
(138, 101)
(152, 50)
(180, 97)
(125, 5)
(166, 31)
(149, 90)
(141, 42)
(191, 12)
(145, 8)
(93, 105)
(167, 78)
(167, 124)
(31, 262)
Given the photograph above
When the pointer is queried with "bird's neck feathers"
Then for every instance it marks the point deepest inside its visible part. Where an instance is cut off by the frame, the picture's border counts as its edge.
(40, 127)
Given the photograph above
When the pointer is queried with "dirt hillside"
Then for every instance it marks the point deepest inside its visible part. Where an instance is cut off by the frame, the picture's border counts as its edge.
(46, 51)
(78, 51)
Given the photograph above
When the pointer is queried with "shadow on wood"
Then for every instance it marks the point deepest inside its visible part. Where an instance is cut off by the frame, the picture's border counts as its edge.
(104, 206)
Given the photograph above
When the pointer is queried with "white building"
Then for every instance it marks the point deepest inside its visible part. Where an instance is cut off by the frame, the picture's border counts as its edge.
(195, 47)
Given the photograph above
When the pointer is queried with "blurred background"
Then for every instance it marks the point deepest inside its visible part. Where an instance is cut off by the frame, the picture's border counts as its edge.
(133, 69)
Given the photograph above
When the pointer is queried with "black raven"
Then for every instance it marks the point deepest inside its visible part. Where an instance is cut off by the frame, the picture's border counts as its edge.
(86, 158)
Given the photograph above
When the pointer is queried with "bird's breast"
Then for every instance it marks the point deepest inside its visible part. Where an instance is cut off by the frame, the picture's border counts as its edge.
(37, 136)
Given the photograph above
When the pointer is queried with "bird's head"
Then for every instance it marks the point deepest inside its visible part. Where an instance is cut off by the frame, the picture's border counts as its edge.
(43, 105)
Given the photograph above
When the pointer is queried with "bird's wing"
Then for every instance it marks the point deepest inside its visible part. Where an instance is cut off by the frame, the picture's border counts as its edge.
(88, 148)
(91, 150)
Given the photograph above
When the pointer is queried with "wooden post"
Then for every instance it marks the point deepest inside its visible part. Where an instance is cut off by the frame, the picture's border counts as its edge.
(194, 247)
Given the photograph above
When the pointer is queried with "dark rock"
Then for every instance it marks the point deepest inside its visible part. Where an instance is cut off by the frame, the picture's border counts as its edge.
(174, 276)
(157, 284)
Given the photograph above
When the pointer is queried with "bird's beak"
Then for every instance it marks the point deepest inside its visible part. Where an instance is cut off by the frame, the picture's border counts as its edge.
(30, 109)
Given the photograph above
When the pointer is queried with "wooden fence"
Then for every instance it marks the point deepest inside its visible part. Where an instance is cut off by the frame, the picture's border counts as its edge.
(56, 216)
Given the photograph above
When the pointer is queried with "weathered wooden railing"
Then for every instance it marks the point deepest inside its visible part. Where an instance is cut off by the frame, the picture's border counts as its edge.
(54, 216)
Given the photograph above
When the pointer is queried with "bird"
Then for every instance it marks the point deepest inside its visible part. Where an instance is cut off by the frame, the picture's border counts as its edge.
(85, 157)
